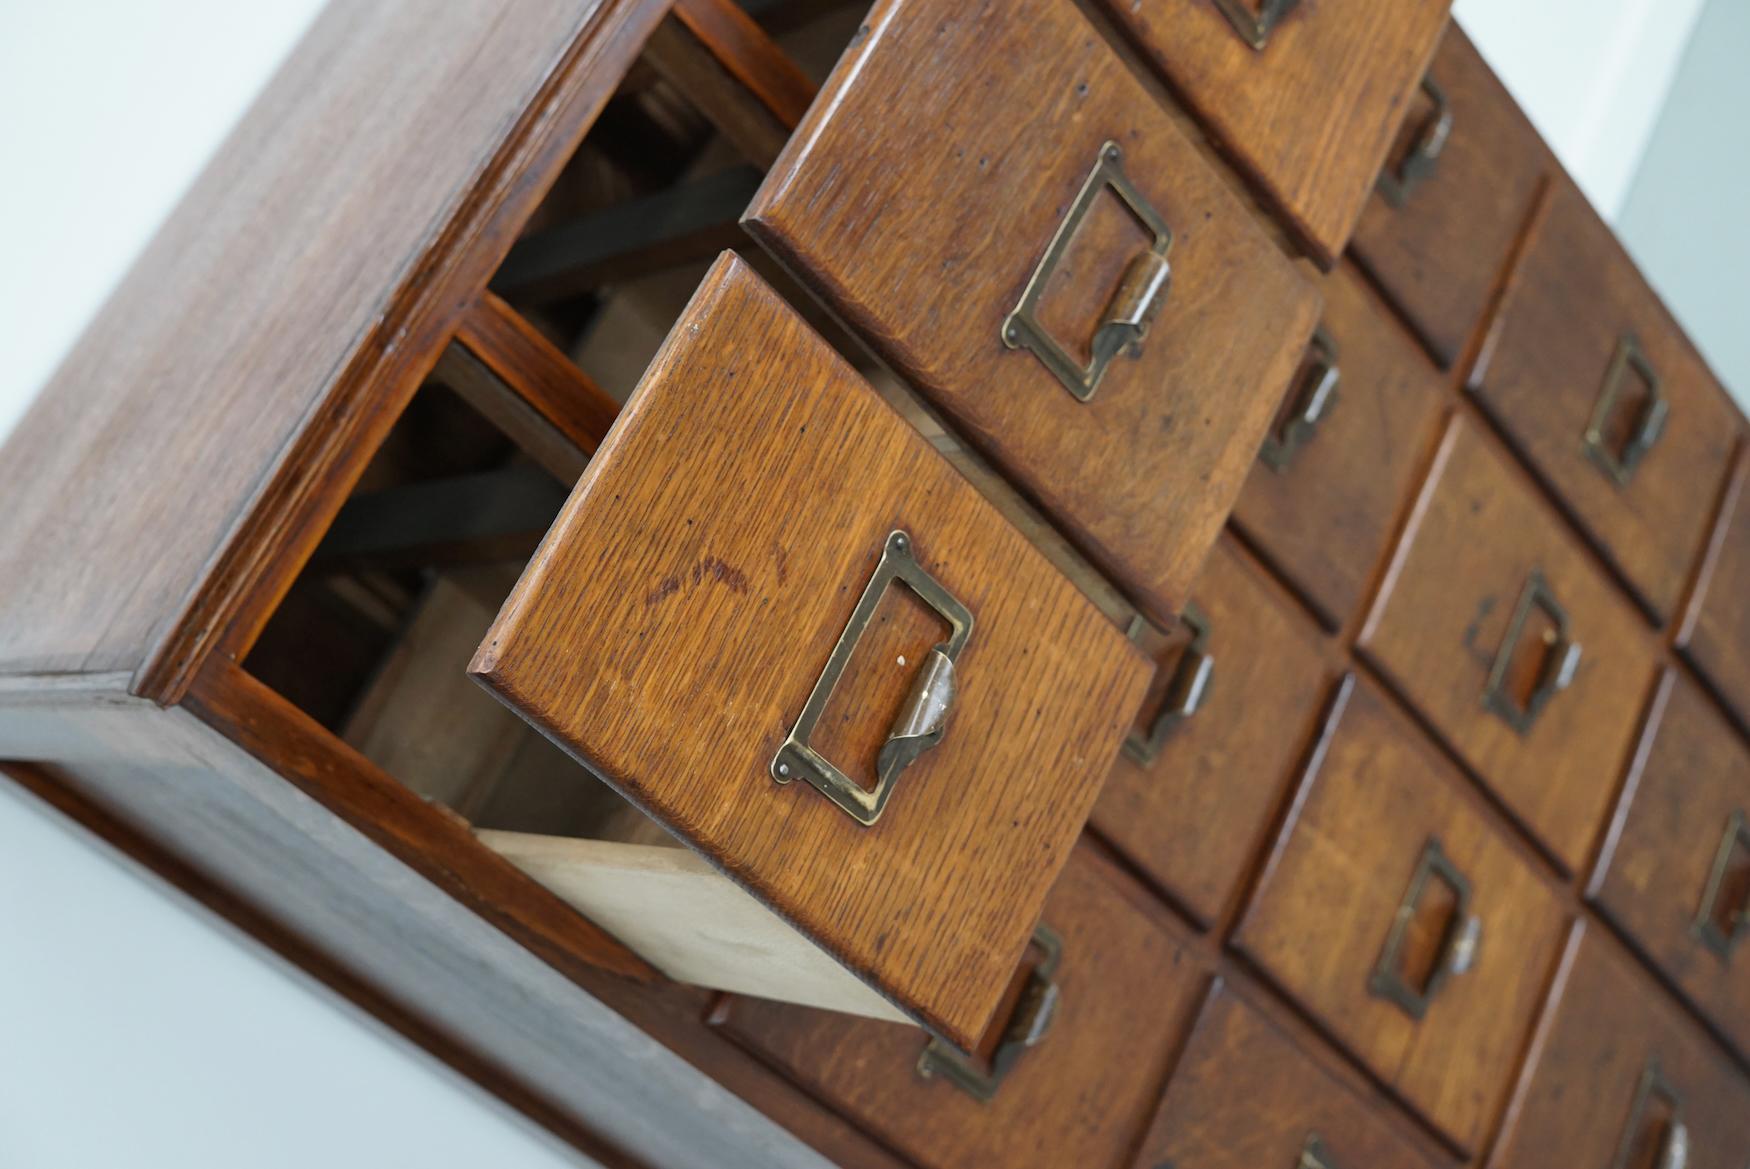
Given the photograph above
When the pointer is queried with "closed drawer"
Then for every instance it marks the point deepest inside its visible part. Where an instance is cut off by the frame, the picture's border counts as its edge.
(765, 576)
(1123, 988)
(1675, 872)
(1245, 1096)
(1592, 379)
(991, 197)
(1716, 630)
(1498, 629)
(1237, 693)
(1619, 1078)
(1305, 96)
(1352, 433)
(1398, 916)
(1455, 195)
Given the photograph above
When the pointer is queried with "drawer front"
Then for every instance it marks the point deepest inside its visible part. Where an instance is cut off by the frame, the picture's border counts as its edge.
(1498, 629)
(1192, 795)
(1236, 1061)
(1353, 431)
(1618, 1074)
(1306, 96)
(1716, 631)
(1438, 232)
(952, 195)
(1675, 872)
(1393, 912)
(1592, 379)
(679, 632)
(1079, 1096)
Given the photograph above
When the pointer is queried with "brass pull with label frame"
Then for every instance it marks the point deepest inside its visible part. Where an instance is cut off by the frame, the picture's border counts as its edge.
(1316, 396)
(1560, 663)
(1027, 1027)
(1706, 926)
(1419, 163)
(923, 718)
(1459, 944)
(1186, 690)
(1255, 27)
(1649, 427)
(1134, 305)
(1674, 1144)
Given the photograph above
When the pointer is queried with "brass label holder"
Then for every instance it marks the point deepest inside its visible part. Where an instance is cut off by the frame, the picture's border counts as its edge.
(1419, 163)
(1135, 304)
(1706, 925)
(1561, 659)
(1315, 396)
(1674, 1144)
(1186, 690)
(1027, 1027)
(1458, 946)
(1628, 358)
(923, 718)
(1255, 27)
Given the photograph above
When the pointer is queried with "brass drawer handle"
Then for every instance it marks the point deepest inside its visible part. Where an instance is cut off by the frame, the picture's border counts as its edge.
(1027, 1027)
(1459, 943)
(1186, 690)
(1419, 163)
(1135, 304)
(1561, 657)
(921, 721)
(1255, 27)
(1315, 396)
(1707, 927)
(1673, 1141)
(1313, 1154)
(1649, 425)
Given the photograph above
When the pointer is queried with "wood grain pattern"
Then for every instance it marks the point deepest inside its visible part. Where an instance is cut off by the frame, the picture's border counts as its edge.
(1079, 1098)
(707, 571)
(926, 252)
(1716, 629)
(1318, 923)
(1458, 575)
(1541, 373)
(749, 55)
(1440, 256)
(1312, 115)
(1195, 816)
(1244, 1095)
(1324, 519)
(1574, 1103)
(1691, 775)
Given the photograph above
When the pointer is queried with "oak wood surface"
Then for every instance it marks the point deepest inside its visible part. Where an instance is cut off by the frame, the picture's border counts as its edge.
(1475, 538)
(1312, 115)
(1690, 776)
(1574, 1103)
(1716, 629)
(708, 572)
(1195, 816)
(918, 197)
(1317, 925)
(1440, 255)
(1541, 374)
(1079, 1097)
(1325, 518)
(1245, 1095)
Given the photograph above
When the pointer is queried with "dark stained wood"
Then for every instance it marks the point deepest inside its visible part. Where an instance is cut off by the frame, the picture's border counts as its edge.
(1477, 534)
(1079, 1097)
(1541, 375)
(1312, 115)
(1691, 776)
(749, 55)
(1716, 629)
(1324, 519)
(1245, 1095)
(1573, 1105)
(927, 251)
(692, 67)
(1195, 816)
(1317, 926)
(1440, 255)
(708, 570)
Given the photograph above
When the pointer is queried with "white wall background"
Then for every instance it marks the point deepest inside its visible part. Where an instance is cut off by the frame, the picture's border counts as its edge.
(138, 1032)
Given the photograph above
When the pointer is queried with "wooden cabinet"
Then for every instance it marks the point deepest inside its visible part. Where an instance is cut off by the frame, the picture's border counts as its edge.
(1675, 870)
(1496, 626)
(1403, 920)
(1059, 271)
(1716, 629)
